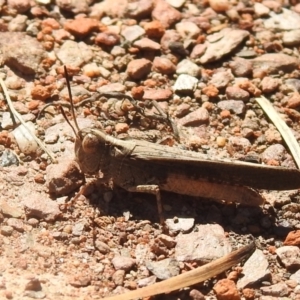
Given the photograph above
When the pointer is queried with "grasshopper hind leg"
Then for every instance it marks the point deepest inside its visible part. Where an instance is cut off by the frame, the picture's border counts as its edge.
(150, 189)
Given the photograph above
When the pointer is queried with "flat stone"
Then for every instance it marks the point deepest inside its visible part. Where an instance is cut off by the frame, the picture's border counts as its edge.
(276, 290)
(272, 63)
(112, 87)
(185, 83)
(291, 38)
(147, 44)
(236, 106)
(132, 33)
(188, 30)
(288, 20)
(296, 277)
(139, 68)
(221, 78)
(164, 269)
(158, 94)
(41, 207)
(289, 256)
(255, 270)
(195, 118)
(165, 13)
(123, 263)
(22, 52)
(180, 225)
(74, 54)
(9, 210)
(188, 67)
(163, 65)
(203, 246)
(224, 43)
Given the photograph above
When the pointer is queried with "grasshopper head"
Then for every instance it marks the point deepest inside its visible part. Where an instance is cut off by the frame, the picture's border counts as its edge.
(91, 151)
(90, 148)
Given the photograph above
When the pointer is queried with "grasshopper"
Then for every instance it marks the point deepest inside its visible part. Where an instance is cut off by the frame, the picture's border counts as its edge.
(141, 166)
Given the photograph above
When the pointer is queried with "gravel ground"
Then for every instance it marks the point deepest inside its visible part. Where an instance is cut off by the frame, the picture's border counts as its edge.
(204, 62)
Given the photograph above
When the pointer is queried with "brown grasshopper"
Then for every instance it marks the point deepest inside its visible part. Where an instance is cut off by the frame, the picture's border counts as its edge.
(141, 166)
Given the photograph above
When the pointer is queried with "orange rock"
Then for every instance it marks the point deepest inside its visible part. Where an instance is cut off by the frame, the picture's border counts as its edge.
(225, 289)
(137, 92)
(154, 29)
(5, 138)
(82, 26)
(33, 104)
(249, 294)
(293, 238)
(210, 91)
(121, 127)
(41, 92)
(225, 114)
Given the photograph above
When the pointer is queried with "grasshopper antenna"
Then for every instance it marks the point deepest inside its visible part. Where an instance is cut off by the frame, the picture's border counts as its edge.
(72, 105)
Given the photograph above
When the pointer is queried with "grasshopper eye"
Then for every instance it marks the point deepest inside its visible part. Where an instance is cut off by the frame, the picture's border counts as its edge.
(90, 143)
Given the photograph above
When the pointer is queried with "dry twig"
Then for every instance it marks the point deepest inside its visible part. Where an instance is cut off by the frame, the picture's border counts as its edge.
(285, 131)
(19, 117)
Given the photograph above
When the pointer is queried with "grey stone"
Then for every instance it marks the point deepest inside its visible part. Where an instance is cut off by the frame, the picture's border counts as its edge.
(185, 83)
(164, 269)
(204, 245)
(255, 269)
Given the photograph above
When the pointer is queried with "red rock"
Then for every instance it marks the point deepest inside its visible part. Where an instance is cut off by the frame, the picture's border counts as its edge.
(157, 94)
(139, 68)
(165, 13)
(249, 294)
(82, 26)
(33, 104)
(197, 117)
(269, 84)
(219, 5)
(41, 92)
(225, 114)
(146, 44)
(5, 138)
(50, 22)
(121, 127)
(137, 92)
(80, 280)
(198, 51)
(107, 38)
(225, 289)
(241, 67)
(236, 93)
(294, 101)
(154, 29)
(293, 238)
(163, 65)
